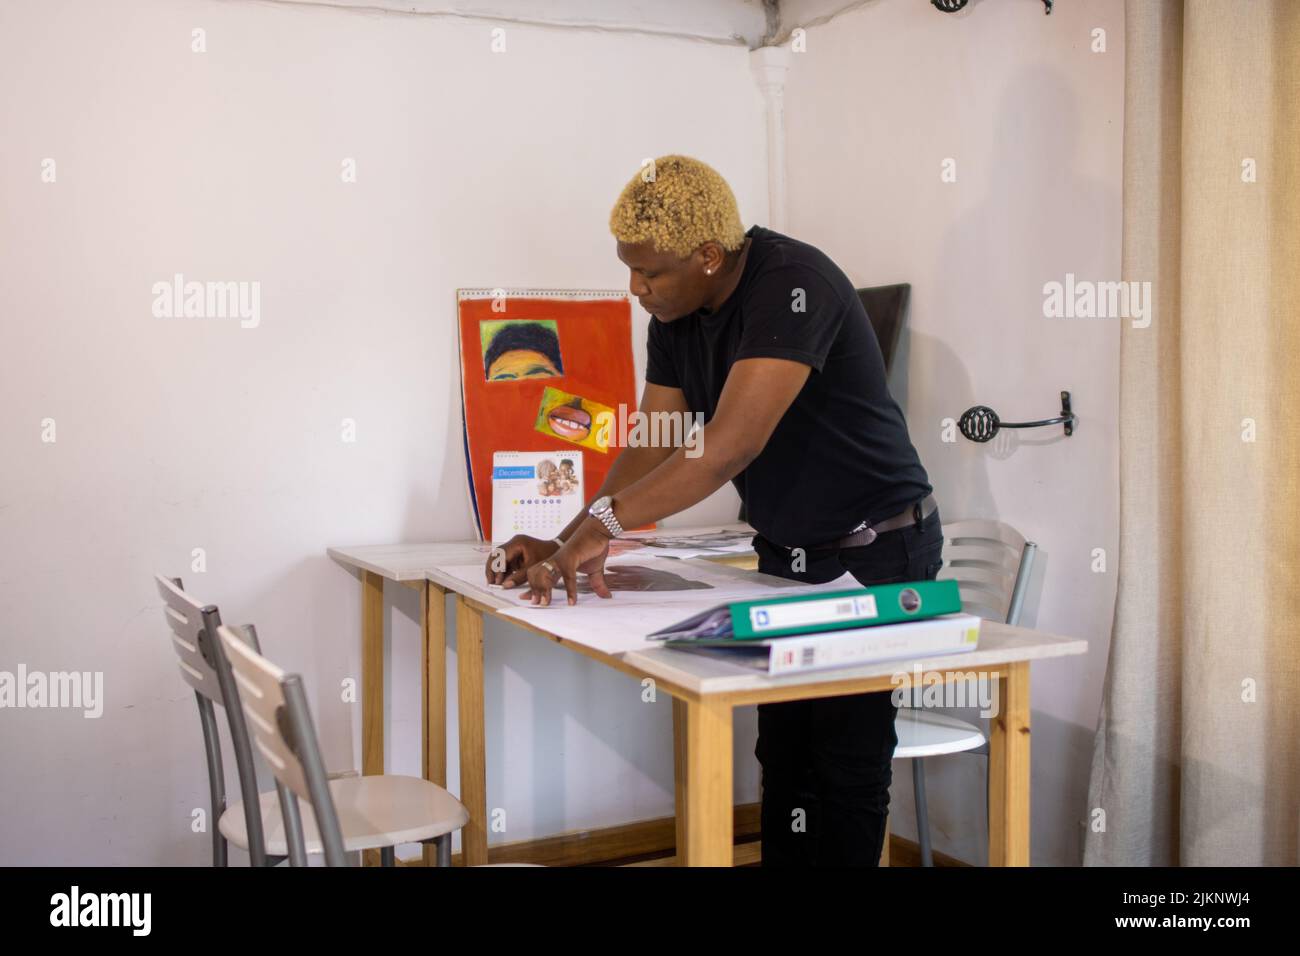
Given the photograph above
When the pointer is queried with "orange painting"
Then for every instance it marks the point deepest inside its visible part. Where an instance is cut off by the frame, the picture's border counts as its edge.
(516, 345)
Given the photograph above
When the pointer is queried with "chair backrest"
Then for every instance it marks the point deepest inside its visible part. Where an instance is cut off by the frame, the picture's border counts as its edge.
(887, 307)
(204, 667)
(991, 563)
(276, 707)
(194, 638)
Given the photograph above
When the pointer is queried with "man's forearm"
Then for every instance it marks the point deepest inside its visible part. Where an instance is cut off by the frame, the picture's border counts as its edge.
(678, 483)
(631, 465)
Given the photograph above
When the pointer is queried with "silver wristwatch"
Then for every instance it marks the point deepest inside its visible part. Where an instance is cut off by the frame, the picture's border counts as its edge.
(602, 509)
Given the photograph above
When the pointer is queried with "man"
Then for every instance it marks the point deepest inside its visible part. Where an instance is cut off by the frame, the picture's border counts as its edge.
(766, 338)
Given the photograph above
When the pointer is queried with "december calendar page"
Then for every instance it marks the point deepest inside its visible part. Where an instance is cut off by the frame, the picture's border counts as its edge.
(535, 493)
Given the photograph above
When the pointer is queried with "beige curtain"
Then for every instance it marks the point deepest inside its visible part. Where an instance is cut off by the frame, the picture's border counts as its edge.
(1197, 754)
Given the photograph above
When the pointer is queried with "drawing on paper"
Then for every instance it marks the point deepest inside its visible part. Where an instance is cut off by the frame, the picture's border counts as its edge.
(634, 577)
(516, 344)
(514, 350)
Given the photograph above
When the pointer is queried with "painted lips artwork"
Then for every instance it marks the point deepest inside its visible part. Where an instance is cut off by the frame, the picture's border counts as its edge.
(541, 371)
(575, 419)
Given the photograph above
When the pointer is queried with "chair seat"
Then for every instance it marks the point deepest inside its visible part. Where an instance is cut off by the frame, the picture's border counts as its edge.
(374, 812)
(924, 733)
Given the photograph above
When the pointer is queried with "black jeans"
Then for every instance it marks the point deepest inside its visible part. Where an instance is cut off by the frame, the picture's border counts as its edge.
(826, 762)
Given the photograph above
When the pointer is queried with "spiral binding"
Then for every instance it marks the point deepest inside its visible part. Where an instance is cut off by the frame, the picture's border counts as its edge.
(575, 294)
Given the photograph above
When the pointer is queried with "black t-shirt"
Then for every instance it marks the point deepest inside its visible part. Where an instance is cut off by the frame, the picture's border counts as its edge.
(841, 454)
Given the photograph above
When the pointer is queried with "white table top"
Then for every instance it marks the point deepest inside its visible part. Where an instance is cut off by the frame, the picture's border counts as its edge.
(413, 562)
(446, 563)
(410, 562)
(618, 624)
(998, 644)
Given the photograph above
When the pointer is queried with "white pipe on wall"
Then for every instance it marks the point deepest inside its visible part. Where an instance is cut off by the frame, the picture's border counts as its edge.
(770, 64)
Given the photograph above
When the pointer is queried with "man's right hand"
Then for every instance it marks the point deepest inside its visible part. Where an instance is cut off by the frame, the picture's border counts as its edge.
(508, 564)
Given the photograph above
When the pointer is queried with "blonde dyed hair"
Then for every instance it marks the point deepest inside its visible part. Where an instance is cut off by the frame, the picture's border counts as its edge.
(677, 204)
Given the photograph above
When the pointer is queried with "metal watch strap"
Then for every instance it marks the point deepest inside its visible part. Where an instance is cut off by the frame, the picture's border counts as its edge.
(610, 522)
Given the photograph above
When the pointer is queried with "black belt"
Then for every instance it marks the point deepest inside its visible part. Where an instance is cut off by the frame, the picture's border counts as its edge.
(912, 514)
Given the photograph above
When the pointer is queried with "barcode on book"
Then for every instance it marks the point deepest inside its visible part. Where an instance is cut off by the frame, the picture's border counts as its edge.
(806, 658)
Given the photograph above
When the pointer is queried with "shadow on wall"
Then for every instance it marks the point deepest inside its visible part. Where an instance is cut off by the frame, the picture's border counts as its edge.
(1030, 228)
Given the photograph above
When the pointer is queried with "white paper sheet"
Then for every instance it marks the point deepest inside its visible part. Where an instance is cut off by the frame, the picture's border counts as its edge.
(620, 624)
(696, 542)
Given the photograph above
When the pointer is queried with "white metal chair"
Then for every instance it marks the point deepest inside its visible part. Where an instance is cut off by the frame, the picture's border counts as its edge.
(347, 814)
(202, 666)
(991, 563)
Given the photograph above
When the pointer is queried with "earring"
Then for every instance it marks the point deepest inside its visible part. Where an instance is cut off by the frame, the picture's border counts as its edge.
(708, 272)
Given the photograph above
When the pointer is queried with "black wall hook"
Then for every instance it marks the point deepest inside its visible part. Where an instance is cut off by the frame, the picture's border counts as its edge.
(981, 423)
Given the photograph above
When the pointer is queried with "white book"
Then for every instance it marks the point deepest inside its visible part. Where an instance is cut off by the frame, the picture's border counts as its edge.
(932, 637)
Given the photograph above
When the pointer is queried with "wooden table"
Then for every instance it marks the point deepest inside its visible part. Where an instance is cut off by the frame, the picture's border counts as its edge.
(704, 692)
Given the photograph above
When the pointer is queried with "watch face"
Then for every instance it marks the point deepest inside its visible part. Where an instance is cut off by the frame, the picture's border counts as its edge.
(600, 504)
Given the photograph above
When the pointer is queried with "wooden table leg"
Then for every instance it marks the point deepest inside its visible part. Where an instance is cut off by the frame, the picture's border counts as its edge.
(372, 683)
(1009, 769)
(433, 692)
(679, 776)
(473, 762)
(709, 808)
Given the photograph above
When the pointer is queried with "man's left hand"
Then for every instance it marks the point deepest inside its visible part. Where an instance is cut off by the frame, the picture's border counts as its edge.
(585, 552)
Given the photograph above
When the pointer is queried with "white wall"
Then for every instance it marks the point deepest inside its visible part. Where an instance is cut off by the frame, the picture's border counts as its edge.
(884, 93)
(479, 169)
(475, 169)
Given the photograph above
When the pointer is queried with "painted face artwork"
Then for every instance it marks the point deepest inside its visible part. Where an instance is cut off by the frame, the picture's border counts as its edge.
(521, 363)
(574, 418)
(570, 421)
(519, 350)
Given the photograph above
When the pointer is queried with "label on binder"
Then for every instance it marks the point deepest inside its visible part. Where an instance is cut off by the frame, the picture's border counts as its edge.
(860, 607)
